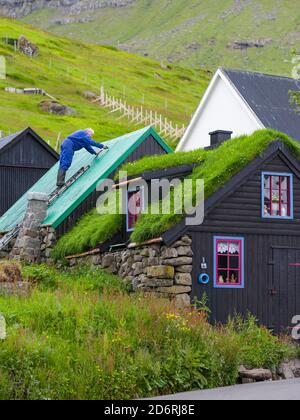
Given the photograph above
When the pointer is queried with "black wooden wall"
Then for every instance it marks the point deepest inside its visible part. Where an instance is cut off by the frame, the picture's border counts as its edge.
(149, 147)
(272, 286)
(21, 166)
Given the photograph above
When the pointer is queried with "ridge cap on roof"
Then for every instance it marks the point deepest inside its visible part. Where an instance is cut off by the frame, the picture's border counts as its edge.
(227, 69)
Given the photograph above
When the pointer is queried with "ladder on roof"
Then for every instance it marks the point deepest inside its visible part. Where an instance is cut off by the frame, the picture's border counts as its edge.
(13, 233)
(58, 191)
(5, 240)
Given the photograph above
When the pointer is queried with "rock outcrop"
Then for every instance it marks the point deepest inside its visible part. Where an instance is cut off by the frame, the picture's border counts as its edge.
(244, 45)
(21, 8)
(55, 108)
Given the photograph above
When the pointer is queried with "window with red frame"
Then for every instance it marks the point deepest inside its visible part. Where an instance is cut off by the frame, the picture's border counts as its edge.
(229, 262)
(134, 207)
(277, 195)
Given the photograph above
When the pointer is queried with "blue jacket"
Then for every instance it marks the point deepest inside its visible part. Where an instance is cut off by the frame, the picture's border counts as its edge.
(76, 141)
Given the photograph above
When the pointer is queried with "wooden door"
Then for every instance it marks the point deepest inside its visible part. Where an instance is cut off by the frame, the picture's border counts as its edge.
(285, 288)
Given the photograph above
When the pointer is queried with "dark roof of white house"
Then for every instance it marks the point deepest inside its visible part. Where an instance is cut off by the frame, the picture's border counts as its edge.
(269, 97)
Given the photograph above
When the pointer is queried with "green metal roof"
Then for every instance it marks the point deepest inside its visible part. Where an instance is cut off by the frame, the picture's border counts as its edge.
(101, 168)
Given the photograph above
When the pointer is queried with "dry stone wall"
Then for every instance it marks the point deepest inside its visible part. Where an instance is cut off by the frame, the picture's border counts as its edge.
(155, 269)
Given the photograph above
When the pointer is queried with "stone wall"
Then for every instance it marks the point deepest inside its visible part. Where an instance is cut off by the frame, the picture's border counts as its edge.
(156, 269)
(48, 238)
(28, 243)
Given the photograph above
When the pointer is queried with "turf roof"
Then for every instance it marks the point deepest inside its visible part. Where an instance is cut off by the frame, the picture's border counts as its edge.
(218, 166)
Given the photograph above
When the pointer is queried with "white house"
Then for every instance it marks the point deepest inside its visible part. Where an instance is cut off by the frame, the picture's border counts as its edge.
(239, 102)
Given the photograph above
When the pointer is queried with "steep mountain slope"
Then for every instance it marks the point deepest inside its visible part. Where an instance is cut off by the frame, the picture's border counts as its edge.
(66, 68)
(252, 34)
(20, 8)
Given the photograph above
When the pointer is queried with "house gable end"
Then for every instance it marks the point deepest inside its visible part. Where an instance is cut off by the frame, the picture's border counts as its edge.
(221, 108)
(277, 158)
(27, 149)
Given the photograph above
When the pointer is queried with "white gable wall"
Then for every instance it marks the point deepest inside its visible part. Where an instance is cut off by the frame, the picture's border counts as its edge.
(222, 108)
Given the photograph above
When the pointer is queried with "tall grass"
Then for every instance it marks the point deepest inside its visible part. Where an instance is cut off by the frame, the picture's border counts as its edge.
(80, 335)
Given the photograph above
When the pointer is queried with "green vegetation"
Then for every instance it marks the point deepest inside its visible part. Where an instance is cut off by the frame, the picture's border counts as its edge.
(295, 100)
(216, 167)
(90, 231)
(80, 335)
(66, 69)
(195, 32)
(152, 163)
(219, 166)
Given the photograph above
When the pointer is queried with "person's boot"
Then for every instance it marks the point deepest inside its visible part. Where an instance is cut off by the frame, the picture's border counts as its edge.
(61, 176)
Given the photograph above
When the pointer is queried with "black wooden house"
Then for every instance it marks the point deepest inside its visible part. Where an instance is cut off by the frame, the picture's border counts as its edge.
(24, 158)
(247, 251)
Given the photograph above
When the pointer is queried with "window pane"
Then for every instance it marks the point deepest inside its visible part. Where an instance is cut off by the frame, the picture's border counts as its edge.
(234, 277)
(284, 210)
(284, 197)
(267, 209)
(275, 183)
(222, 247)
(234, 248)
(134, 207)
(284, 183)
(234, 262)
(222, 277)
(275, 209)
(222, 261)
(267, 182)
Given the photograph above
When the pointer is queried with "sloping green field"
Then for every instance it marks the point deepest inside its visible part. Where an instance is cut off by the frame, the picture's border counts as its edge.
(66, 69)
(194, 32)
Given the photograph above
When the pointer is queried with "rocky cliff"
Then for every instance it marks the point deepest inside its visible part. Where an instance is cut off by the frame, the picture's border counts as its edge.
(20, 8)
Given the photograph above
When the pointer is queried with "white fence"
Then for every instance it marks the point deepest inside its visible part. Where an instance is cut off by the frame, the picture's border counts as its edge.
(140, 115)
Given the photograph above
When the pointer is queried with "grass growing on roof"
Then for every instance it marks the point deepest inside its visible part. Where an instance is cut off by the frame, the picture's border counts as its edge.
(91, 230)
(219, 166)
(152, 163)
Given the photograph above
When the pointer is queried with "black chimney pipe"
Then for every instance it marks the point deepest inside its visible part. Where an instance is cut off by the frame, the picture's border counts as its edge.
(218, 137)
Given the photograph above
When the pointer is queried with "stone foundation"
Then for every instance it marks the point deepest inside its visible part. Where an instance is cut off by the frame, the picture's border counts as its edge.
(156, 269)
(48, 238)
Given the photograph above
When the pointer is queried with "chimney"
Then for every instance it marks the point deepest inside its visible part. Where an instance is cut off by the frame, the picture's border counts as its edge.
(218, 137)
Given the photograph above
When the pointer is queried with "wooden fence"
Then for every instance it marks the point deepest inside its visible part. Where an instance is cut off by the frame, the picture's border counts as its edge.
(140, 115)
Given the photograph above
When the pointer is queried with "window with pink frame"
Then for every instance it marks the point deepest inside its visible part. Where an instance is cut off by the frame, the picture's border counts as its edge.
(229, 261)
(277, 195)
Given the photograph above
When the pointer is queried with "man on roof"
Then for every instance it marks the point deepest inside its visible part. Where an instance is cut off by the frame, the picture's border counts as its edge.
(81, 139)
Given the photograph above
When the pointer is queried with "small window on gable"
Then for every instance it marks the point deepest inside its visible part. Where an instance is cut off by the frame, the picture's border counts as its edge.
(277, 195)
(229, 262)
(135, 206)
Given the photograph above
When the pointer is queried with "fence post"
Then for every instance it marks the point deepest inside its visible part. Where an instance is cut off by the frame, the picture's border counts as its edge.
(57, 142)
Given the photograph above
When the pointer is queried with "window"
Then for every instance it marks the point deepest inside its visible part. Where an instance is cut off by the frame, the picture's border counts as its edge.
(229, 262)
(277, 195)
(135, 206)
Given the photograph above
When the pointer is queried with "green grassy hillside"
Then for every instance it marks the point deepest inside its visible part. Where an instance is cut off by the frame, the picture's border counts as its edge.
(194, 32)
(66, 68)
